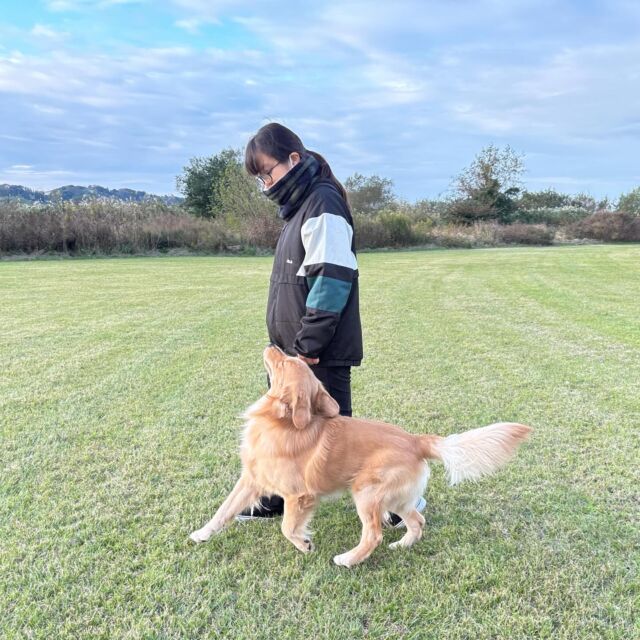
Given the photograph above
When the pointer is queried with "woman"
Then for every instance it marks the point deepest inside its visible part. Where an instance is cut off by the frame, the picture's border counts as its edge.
(312, 309)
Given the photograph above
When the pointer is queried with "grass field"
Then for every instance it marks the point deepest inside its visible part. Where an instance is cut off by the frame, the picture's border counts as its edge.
(120, 385)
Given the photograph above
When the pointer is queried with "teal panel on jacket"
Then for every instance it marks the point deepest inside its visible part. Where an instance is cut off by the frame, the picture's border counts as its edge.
(328, 294)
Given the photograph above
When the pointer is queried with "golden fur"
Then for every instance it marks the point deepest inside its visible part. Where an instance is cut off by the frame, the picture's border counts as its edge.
(296, 445)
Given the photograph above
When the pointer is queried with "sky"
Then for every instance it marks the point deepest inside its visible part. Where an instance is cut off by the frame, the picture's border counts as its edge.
(123, 93)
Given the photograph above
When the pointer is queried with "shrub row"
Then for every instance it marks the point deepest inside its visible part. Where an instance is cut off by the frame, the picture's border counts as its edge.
(107, 227)
(395, 229)
(103, 227)
(554, 216)
(609, 226)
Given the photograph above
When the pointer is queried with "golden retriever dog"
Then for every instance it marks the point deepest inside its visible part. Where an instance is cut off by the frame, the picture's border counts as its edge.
(296, 445)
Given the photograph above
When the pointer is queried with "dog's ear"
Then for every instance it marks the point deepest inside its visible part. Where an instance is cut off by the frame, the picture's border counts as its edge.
(301, 410)
(325, 405)
(295, 403)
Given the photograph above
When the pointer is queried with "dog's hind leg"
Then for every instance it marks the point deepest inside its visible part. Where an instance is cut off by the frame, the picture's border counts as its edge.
(370, 511)
(414, 522)
(244, 494)
(297, 513)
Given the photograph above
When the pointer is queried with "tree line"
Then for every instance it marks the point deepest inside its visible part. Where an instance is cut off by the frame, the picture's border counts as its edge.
(224, 212)
(489, 189)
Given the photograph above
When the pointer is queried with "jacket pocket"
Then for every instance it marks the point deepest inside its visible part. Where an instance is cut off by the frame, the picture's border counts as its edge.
(290, 302)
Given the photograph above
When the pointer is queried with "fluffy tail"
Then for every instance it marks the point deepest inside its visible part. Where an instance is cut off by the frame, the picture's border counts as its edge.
(476, 453)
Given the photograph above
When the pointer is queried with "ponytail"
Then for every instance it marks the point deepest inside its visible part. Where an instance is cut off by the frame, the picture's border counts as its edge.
(325, 172)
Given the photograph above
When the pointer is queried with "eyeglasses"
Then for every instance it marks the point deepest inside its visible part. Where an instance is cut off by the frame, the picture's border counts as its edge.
(264, 178)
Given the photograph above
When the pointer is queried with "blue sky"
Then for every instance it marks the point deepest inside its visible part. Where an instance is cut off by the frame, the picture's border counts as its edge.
(122, 93)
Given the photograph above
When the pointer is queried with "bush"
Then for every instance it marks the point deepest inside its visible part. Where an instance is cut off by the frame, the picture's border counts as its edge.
(535, 234)
(547, 199)
(479, 234)
(452, 236)
(468, 211)
(260, 231)
(397, 226)
(369, 232)
(609, 226)
(554, 216)
(387, 229)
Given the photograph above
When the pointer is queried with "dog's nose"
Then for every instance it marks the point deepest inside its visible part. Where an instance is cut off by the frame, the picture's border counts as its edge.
(271, 349)
(271, 345)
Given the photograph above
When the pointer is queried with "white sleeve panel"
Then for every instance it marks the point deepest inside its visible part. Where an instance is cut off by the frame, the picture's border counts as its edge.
(327, 238)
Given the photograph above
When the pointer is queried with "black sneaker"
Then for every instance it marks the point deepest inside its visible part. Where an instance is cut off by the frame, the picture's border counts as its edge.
(394, 521)
(268, 507)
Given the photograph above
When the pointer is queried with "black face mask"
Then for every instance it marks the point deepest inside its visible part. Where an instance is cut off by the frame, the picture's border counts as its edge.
(289, 191)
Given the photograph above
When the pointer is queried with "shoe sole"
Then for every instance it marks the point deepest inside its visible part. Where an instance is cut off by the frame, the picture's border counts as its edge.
(386, 520)
(249, 518)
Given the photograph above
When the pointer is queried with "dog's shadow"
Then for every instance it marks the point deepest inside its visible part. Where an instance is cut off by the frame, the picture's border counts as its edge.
(456, 521)
(452, 525)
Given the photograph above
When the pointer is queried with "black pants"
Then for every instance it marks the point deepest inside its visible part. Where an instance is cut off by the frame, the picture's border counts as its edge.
(337, 381)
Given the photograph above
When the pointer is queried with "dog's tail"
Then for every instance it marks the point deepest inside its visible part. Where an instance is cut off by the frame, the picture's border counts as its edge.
(476, 453)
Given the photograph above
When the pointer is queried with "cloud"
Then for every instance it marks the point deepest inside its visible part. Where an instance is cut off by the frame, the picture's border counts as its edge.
(29, 175)
(81, 5)
(566, 96)
(192, 25)
(410, 90)
(102, 111)
(203, 12)
(47, 33)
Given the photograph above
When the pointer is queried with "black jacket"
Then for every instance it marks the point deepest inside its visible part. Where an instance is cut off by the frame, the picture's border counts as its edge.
(313, 295)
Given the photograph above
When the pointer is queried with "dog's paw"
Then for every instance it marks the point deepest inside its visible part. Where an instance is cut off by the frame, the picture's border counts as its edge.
(397, 545)
(343, 560)
(201, 535)
(303, 544)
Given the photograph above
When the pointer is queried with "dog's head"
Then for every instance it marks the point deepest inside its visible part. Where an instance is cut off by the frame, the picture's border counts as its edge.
(297, 394)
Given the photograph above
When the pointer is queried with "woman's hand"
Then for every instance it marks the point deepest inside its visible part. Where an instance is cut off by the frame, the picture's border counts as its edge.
(309, 360)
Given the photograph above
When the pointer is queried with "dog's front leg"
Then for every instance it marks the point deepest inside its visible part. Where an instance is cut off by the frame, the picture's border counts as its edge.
(297, 513)
(244, 494)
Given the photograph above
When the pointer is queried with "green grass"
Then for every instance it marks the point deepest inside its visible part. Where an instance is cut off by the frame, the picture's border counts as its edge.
(120, 385)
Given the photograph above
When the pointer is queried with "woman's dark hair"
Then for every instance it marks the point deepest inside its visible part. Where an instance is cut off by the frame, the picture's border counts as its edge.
(277, 141)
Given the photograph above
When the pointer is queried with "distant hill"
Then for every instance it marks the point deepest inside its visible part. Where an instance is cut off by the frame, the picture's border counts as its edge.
(76, 193)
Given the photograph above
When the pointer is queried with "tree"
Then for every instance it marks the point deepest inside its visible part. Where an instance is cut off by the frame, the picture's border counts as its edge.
(630, 202)
(369, 194)
(199, 182)
(547, 199)
(245, 211)
(239, 196)
(489, 185)
(583, 201)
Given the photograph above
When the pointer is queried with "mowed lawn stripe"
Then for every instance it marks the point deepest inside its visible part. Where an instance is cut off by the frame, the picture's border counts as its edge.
(120, 390)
